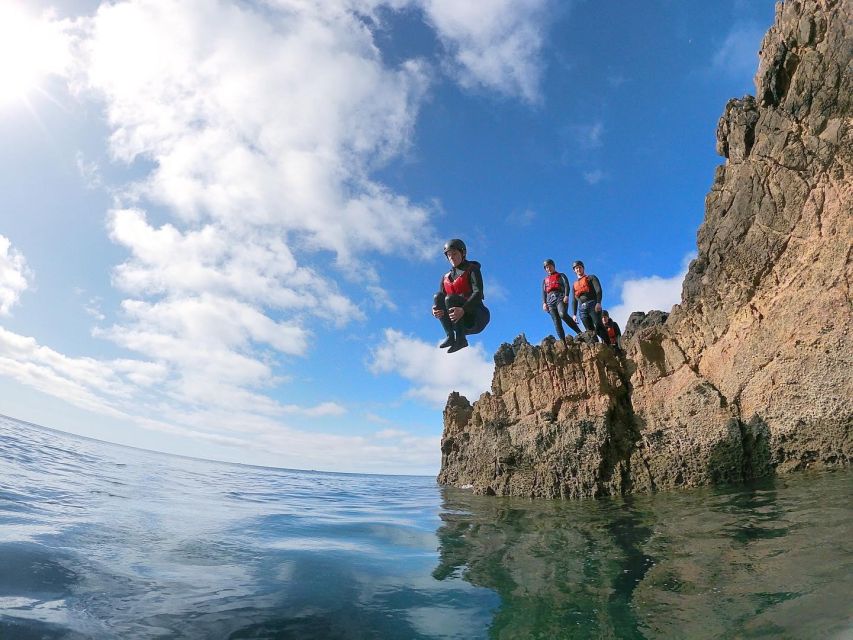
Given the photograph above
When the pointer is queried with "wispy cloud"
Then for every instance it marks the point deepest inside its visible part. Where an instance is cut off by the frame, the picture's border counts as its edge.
(736, 56)
(522, 218)
(593, 177)
(322, 409)
(649, 293)
(95, 385)
(589, 135)
(117, 388)
(89, 171)
(377, 419)
(494, 43)
(433, 372)
(93, 308)
(616, 80)
(14, 275)
(387, 434)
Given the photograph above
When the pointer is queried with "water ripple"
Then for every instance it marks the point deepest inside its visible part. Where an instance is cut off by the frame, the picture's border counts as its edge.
(98, 541)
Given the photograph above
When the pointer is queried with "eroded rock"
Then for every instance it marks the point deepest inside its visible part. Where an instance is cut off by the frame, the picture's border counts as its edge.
(750, 374)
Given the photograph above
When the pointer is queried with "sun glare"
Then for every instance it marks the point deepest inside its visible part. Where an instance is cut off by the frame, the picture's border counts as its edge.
(31, 48)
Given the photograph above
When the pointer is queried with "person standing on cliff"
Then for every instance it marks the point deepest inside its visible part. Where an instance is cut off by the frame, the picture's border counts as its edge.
(458, 303)
(586, 295)
(555, 299)
(614, 333)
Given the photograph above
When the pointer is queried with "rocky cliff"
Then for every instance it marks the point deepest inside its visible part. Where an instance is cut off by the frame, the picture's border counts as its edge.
(751, 373)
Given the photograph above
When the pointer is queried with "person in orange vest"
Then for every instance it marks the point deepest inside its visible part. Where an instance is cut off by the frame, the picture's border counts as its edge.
(586, 300)
(555, 299)
(614, 334)
(458, 303)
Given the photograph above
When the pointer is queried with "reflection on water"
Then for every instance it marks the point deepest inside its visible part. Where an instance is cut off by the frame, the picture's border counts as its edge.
(771, 560)
(98, 541)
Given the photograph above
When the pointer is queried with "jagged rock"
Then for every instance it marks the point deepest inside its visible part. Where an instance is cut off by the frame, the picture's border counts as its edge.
(587, 337)
(547, 403)
(736, 129)
(750, 374)
(640, 320)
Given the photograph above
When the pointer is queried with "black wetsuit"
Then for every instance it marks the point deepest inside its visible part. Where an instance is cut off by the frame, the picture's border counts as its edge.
(556, 306)
(589, 316)
(610, 322)
(476, 314)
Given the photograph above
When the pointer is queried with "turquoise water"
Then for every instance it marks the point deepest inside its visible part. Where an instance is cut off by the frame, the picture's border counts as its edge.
(100, 541)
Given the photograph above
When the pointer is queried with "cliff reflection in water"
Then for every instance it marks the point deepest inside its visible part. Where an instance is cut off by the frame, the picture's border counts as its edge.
(768, 560)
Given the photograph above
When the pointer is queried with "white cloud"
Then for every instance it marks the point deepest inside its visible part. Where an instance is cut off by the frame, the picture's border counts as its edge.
(593, 177)
(616, 80)
(260, 270)
(737, 55)
(495, 43)
(433, 372)
(322, 409)
(379, 298)
(253, 118)
(522, 218)
(93, 308)
(116, 388)
(589, 136)
(372, 417)
(87, 383)
(89, 171)
(14, 275)
(649, 293)
(389, 434)
(31, 48)
(496, 291)
(304, 449)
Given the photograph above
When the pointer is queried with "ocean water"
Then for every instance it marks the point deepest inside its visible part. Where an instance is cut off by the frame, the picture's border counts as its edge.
(101, 541)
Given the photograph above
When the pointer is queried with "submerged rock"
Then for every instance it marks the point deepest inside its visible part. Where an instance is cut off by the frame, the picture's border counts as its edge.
(750, 374)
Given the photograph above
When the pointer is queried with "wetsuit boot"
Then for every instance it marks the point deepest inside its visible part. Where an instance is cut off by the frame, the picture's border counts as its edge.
(446, 324)
(460, 343)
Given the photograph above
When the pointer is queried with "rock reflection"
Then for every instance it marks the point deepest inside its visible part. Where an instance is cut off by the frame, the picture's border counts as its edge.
(562, 569)
(760, 561)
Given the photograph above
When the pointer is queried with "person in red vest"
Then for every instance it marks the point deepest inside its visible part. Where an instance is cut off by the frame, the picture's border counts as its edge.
(586, 300)
(555, 299)
(458, 303)
(614, 334)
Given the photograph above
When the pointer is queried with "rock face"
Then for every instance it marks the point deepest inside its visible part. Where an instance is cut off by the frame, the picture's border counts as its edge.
(751, 373)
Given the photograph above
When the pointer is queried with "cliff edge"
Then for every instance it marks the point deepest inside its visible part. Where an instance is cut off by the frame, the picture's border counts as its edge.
(751, 373)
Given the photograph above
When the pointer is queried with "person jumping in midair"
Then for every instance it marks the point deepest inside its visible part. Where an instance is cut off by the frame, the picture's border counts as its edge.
(458, 303)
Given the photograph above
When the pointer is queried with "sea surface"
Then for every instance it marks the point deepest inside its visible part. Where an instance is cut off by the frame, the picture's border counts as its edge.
(102, 541)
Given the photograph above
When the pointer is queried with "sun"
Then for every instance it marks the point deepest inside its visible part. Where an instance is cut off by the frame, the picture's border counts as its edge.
(31, 48)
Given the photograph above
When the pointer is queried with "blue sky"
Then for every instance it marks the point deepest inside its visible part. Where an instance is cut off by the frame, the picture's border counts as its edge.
(221, 221)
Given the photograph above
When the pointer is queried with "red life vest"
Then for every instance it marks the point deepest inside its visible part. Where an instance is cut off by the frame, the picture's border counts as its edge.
(611, 332)
(582, 286)
(461, 286)
(552, 282)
